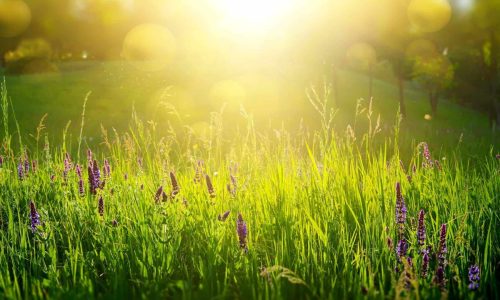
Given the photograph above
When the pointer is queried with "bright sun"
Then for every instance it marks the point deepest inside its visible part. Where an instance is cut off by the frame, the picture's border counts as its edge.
(252, 16)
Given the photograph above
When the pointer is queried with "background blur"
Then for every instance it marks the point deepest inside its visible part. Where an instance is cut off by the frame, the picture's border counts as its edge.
(176, 61)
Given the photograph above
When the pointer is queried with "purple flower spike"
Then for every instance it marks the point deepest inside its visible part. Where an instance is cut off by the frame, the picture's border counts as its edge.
(224, 216)
(474, 277)
(401, 249)
(34, 216)
(442, 250)
(97, 174)
(241, 228)
(20, 171)
(400, 210)
(92, 185)
(421, 228)
(425, 263)
(440, 279)
(100, 206)
(26, 166)
(159, 194)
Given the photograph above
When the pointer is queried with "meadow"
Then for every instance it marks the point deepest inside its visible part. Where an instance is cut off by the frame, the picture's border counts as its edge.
(383, 209)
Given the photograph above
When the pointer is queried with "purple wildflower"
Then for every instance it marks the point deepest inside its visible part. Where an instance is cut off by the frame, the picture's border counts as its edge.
(34, 217)
(92, 186)
(100, 206)
(210, 187)
(401, 249)
(474, 277)
(97, 174)
(26, 166)
(67, 167)
(89, 156)
(224, 216)
(400, 210)
(241, 227)
(440, 279)
(198, 171)
(159, 194)
(442, 250)
(20, 171)
(231, 186)
(389, 243)
(421, 228)
(81, 188)
(105, 170)
(427, 156)
(175, 185)
(408, 273)
(425, 264)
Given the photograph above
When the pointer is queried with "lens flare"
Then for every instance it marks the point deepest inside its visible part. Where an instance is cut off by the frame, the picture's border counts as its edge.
(15, 17)
(149, 47)
(429, 15)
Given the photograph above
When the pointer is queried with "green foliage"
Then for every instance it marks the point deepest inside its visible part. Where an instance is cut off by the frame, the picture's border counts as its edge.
(319, 214)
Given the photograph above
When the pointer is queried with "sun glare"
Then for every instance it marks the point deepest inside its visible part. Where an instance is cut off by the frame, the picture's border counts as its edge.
(252, 16)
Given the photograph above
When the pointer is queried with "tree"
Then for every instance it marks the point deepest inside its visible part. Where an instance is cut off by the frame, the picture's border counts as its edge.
(434, 74)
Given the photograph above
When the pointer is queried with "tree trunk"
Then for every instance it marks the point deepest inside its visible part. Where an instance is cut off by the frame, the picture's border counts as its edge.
(433, 99)
(401, 86)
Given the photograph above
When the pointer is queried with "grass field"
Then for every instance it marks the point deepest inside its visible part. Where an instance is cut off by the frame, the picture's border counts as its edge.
(314, 212)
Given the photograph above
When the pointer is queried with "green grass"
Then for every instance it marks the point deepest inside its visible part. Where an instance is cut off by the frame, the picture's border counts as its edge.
(319, 206)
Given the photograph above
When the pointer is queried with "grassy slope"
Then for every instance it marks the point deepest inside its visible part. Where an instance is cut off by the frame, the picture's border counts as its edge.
(117, 88)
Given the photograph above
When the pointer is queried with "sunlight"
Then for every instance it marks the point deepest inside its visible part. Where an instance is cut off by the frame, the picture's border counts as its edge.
(251, 16)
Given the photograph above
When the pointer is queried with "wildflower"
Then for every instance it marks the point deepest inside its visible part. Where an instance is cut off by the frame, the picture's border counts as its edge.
(198, 171)
(97, 174)
(421, 228)
(81, 188)
(400, 210)
(408, 272)
(442, 250)
(34, 217)
(241, 228)
(20, 171)
(210, 187)
(224, 216)
(100, 206)
(89, 156)
(437, 164)
(159, 194)
(26, 166)
(175, 185)
(231, 187)
(34, 165)
(67, 167)
(425, 264)
(106, 169)
(474, 277)
(389, 243)
(427, 156)
(401, 249)
(92, 186)
(440, 279)
(52, 177)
